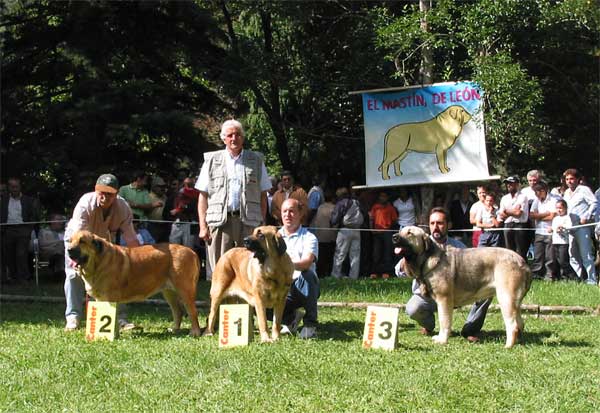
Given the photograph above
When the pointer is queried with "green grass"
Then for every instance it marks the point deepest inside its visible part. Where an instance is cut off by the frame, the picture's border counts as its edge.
(555, 369)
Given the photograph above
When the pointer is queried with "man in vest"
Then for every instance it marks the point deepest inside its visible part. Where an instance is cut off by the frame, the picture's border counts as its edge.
(233, 186)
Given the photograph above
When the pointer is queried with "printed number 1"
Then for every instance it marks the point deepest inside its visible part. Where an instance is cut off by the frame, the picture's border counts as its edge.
(238, 323)
(104, 328)
(387, 328)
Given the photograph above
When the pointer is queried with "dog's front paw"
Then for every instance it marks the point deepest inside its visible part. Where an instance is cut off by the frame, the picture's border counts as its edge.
(207, 333)
(439, 339)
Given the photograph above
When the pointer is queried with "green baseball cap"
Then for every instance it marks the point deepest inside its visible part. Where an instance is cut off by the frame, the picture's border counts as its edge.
(107, 183)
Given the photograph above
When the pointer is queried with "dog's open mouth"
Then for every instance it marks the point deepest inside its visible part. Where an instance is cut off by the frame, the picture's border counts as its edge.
(401, 247)
(76, 256)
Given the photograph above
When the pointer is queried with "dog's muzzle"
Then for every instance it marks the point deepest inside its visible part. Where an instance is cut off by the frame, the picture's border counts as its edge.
(402, 247)
(75, 255)
(253, 245)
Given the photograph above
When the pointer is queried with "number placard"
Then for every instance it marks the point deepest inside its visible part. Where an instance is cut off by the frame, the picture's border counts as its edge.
(234, 325)
(101, 321)
(381, 328)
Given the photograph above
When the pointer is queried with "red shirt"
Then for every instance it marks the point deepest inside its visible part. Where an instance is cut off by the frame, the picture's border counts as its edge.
(383, 215)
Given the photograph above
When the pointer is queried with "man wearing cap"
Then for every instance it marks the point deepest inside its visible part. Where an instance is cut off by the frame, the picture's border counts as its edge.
(233, 184)
(103, 213)
(514, 212)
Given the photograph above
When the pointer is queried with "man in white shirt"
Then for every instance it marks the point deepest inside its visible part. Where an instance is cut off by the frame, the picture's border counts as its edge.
(543, 210)
(514, 212)
(303, 249)
(233, 186)
(582, 205)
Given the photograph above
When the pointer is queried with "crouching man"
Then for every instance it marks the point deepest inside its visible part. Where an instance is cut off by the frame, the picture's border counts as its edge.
(422, 308)
(303, 249)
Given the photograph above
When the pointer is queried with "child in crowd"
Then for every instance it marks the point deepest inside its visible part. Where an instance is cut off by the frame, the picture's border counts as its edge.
(561, 224)
(487, 217)
(383, 217)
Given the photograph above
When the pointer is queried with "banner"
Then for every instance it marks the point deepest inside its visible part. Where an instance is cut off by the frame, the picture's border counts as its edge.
(424, 135)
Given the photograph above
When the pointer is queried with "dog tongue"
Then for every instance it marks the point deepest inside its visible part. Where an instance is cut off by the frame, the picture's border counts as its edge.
(398, 250)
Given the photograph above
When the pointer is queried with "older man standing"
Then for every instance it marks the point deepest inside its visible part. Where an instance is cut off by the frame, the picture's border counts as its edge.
(103, 213)
(303, 249)
(582, 206)
(233, 186)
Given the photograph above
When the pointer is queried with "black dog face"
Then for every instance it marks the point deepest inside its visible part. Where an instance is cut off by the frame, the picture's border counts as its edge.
(265, 241)
(76, 255)
(254, 245)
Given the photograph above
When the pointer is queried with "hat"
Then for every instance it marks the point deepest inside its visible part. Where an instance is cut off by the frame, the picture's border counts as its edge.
(107, 183)
(158, 181)
(511, 180)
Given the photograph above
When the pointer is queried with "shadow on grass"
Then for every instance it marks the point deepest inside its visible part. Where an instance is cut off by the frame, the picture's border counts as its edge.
(533, 338)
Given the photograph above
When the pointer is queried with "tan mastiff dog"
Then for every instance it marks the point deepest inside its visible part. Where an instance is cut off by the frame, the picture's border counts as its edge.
(435, 135)
(260, 274)
(458, 277)
(118, 274)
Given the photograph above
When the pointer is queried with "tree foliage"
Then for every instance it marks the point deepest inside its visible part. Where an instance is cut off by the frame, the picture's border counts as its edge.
(536, 61)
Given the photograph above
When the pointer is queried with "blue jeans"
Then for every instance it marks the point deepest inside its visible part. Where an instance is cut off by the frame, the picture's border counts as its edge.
(304, 293)
(422, 309)
(581, 252)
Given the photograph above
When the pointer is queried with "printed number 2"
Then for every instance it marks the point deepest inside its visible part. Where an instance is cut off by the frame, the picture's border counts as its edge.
(238, 323)
(387, 330)
(104, 328)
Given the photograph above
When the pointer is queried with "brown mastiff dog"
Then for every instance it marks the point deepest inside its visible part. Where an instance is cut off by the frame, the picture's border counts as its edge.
(462, 276)
(260, 274)
(118, 274)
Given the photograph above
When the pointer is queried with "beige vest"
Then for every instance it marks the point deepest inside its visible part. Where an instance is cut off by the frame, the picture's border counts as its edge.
(250, 211)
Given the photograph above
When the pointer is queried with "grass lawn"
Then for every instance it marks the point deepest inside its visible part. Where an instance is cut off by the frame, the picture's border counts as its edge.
(555, 369)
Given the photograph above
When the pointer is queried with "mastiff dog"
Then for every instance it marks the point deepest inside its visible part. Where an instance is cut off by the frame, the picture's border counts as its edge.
(458, 277)
(259, 273)
(118, 274)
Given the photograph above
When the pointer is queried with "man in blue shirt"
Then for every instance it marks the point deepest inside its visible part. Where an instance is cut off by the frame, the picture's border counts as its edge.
(303, 249)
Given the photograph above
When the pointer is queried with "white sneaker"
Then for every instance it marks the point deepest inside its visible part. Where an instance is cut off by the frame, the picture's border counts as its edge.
(72, 323)
(125, 325)
(293, 326)
(308, 332)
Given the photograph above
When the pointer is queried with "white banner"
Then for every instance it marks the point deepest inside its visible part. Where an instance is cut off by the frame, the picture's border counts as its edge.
(424, 135)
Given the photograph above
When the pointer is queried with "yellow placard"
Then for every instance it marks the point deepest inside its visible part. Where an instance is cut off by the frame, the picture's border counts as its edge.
(235, 327)
(381, 328)
(101, 321)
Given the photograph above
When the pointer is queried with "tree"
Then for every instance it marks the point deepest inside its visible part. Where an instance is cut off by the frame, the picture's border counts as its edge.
(527, 56)
(91, 87)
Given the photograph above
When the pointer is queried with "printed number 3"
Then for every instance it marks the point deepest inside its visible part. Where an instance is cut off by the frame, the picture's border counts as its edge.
(387, 330)
(104, 328)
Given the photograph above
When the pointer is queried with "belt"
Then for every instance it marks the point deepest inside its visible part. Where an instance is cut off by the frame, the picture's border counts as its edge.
(234, 213)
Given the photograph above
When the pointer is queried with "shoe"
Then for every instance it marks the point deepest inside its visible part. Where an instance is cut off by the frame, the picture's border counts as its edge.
(373, 276)
(72, 323)
(293, 326)
(385, 276)
(125, 325)
(472, 339)
(426, 332)
(308, 332)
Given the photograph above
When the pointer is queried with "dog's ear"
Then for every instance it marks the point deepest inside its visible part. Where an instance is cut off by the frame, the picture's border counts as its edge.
(427, 243)
(281, 246)
(98, 245)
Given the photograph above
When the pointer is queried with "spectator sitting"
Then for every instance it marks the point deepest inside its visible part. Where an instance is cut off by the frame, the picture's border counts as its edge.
(142, 234)
(52, 246)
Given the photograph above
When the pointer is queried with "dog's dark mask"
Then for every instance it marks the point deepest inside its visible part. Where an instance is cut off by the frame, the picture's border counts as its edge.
(406, 250)
(253, 245)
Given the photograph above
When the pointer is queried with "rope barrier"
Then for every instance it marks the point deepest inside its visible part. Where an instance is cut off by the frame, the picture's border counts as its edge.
(158, 221)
